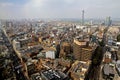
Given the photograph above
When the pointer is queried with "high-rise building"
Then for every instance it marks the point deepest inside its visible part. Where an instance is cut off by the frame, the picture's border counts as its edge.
(0, 25)
(82, 17)
(108, 21)
(81, 51)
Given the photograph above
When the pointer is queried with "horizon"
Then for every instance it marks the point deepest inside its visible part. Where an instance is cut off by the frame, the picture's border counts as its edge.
(53, 9)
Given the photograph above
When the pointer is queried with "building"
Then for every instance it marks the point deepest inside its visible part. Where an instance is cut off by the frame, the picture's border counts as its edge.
(36, 76)
(53, 75)
(24, 42)
(108, 21)
(50, 54)
(82, 17)
(17, 44)
(62, 64)
(108, 71)
(0, 25)
(31, 68)
(34, 65)
(78, 70)
(118, 67)
(9, 24)
(107, 57)
(81, 51)
(65, 49)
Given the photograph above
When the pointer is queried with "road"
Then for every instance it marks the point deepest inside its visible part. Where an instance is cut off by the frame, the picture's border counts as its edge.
(17, 65)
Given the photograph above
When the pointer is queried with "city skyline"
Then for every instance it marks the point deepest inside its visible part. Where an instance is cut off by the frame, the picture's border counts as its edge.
(18, 9)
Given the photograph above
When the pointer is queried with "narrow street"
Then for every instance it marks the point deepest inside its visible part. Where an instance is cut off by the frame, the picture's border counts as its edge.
(16, 60)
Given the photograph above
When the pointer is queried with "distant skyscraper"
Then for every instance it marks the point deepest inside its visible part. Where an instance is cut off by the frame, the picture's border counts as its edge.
(82, 17)
(0, 24)
(108, 21)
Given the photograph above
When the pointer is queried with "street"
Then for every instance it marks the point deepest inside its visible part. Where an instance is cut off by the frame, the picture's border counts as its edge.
(16, 60)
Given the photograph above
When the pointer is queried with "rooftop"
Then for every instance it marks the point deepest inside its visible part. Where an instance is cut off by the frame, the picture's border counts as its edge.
(53, 75)
(79, 69)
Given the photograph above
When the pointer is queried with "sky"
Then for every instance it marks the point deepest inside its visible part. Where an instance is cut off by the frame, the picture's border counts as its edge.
(18, 9)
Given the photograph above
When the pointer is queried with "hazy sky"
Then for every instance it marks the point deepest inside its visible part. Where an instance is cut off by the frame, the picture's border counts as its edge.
(59, 8)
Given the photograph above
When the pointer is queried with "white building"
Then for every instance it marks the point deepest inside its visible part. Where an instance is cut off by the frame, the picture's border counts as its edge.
(108, 55)
(50, 54)
(118, 43)
(17, 44)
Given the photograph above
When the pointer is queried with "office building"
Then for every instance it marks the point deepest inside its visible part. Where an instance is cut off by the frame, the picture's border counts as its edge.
(81, 51)
(108, 21)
